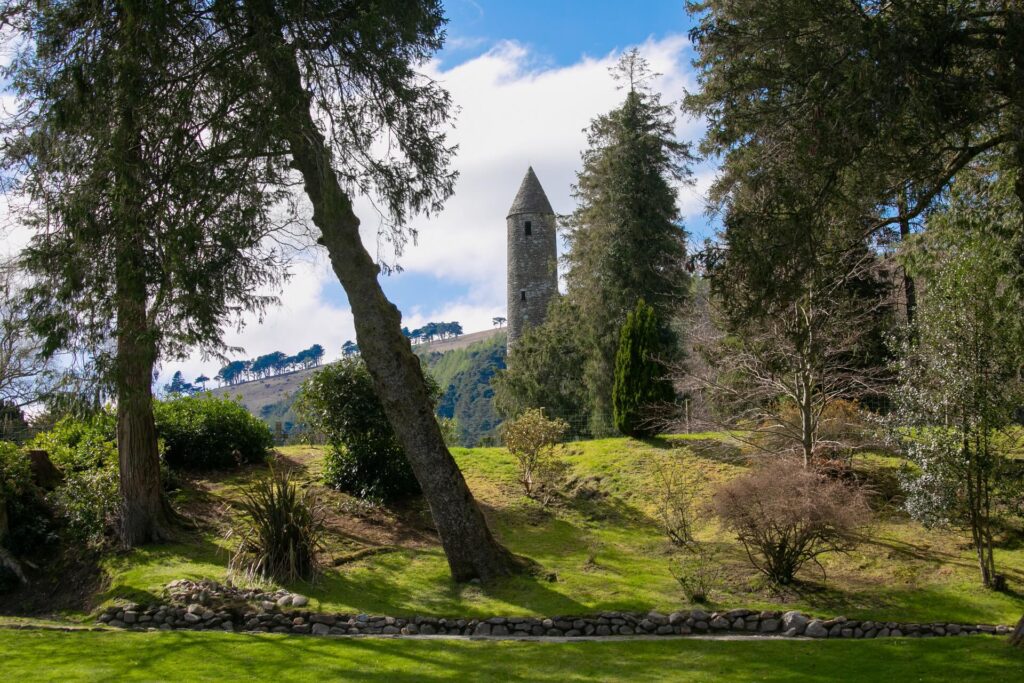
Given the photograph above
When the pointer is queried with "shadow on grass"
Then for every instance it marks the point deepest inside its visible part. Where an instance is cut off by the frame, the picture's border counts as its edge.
(716, 450)
(204, 656)
(922, 604)
(932, 556)
(385, 587)
(189, 558)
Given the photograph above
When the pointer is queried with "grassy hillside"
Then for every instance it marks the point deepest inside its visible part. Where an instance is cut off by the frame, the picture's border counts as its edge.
(598, 548)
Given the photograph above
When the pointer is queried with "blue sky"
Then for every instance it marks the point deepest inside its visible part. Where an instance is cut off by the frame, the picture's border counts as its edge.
(561, 32)
(527, 77)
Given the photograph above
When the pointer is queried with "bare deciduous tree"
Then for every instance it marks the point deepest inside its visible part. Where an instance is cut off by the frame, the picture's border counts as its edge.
(780, 378)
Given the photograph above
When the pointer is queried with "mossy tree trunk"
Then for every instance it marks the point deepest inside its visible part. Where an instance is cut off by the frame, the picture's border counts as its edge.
(471, 550)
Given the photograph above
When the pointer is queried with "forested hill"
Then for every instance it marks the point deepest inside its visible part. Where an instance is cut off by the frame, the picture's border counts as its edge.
(464, 375)
(462, 366)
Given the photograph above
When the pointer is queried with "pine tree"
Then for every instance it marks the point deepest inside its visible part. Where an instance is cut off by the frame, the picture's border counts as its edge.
(640, 382)
(626, 240)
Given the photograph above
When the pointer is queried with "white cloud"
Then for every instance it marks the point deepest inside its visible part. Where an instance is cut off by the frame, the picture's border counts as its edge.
(514, 116)
(515, 111)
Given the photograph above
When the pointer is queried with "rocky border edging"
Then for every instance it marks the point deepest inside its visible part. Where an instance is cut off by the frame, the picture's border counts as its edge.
(207, 605)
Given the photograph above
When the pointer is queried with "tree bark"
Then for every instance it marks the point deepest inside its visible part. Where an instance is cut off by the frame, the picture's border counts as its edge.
(909, 290)
(143, 516)
(471, 550)
(1017, 637)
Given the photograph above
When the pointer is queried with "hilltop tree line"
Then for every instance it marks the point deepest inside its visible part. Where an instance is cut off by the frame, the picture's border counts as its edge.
(421, 335)
(269, 364)
(431, 331)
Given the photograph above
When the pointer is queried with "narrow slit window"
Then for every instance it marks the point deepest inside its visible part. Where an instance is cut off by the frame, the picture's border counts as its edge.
(529, 228)
(522, 295)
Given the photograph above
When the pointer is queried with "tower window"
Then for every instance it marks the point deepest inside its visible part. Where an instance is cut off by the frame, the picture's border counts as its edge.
(522, 295)
(529, 228)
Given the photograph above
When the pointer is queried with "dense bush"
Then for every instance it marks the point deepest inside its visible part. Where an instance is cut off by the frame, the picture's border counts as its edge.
(282, 536)
(364, 457)
(786, 515)
(205, 432)
(15, 473)
(87, 503)
(24, 520)
(640, 376)
(80, 444)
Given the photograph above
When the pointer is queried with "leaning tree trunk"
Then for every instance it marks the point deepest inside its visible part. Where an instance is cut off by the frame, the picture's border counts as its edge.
(143, 516)
(471, 550)
(1017, 637)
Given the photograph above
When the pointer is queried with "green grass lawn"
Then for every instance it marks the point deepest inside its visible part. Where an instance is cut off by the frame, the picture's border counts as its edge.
(601, 543)
(187, 656)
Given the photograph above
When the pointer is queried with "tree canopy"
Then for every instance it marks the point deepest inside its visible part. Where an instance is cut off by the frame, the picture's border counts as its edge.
(858, 109)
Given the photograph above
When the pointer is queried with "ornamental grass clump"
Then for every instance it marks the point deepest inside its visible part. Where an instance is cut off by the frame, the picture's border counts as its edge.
(282, 533)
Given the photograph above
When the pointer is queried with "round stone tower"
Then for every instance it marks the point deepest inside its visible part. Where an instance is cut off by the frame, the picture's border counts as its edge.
(532, 257)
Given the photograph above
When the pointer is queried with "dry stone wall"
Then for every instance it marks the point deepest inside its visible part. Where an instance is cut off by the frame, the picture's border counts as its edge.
(210, 606)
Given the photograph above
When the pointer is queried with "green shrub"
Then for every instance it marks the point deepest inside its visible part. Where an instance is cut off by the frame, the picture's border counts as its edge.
(282, 533)
(364, 457)
(532, 438)
(640, 382)
(15, 473)
(80, 444)
(87, 503)
(205, 432)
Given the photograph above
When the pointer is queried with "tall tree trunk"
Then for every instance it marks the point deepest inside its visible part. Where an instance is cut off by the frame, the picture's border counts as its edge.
(807, 425)
(909, 290)
(143, 516)
(471, 550)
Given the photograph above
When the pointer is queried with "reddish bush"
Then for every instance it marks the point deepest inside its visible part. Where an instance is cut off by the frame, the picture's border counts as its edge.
(786, 516)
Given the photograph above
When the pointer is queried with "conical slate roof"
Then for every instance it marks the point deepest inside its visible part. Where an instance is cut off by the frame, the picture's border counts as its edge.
(531, 197)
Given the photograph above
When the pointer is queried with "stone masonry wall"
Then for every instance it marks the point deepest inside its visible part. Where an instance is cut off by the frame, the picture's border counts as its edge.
(532, 268)
(210, 606)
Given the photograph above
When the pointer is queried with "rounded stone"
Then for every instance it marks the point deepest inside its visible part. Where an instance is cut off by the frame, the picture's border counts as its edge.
(816, 629)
